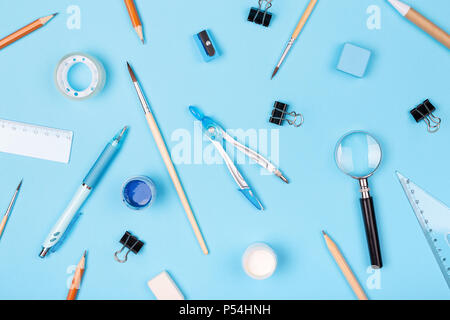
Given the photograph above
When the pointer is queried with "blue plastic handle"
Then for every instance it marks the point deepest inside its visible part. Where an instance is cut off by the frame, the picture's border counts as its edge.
(197, 113)
(252, 198)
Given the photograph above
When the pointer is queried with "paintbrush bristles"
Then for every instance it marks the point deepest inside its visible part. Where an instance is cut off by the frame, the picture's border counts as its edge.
(130, 70)
(274, 72)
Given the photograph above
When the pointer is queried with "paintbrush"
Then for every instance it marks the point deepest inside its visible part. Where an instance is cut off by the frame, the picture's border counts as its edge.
(167, 160)
(8, 211)
(295, 34)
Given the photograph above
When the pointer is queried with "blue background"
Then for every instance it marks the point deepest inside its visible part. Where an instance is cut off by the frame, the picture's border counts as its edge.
(407, 66)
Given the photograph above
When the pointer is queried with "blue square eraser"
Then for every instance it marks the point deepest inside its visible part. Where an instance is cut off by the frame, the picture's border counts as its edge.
(354, 60)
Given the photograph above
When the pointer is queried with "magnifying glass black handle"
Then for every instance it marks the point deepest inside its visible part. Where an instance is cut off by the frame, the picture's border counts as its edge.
(370, 224)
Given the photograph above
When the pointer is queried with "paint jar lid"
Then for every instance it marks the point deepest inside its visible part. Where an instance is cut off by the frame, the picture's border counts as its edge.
(259, 261)
(138, 192)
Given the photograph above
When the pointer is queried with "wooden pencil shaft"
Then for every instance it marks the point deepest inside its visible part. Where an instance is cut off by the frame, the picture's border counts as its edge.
(132, 11)
(345, 268)
(76, 281)
(20, 33)
(429, 27)
(304, 18)
(25, 30)
(72, 295)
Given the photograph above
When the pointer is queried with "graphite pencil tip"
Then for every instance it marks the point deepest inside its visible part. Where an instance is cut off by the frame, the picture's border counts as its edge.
(323, 232)
(130, 70)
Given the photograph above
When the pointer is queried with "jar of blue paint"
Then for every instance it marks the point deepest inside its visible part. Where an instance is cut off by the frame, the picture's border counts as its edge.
(138, 192)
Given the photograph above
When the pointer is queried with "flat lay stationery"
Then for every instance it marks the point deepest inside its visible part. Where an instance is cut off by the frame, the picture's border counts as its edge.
(91, 180)
(39, 23)
(35, 141)
(138, 192)
(130, 242)
(295, 34)
(261, 15)
(345, 268)
(422, 22)
(259, 261)
(218, 136)
(354, 60)
(167, 160)
(98, 76)
(9, 210)
(280, 114)
(164, 288)
(365, 89)
(424, 112)
(434, 219)
(206, 45)
(358, 155)
(77, 278)
(135, 20)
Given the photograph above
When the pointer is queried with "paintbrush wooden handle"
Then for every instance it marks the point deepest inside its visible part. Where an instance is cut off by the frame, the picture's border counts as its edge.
(176, 181)
(3, 224)
(304, 18)
(429, 27)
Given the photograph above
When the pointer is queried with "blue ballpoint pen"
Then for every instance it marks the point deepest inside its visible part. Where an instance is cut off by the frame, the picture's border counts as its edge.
(90, 181)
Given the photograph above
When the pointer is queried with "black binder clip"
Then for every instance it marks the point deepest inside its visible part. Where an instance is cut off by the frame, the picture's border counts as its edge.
(279, 114)
(132, 243)
(424, 111)
(259, 15)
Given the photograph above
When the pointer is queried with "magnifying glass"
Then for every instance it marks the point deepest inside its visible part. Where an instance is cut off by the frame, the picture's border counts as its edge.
(358, 155)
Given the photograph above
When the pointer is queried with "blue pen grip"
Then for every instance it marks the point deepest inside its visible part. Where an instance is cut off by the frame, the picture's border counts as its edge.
(100, 166)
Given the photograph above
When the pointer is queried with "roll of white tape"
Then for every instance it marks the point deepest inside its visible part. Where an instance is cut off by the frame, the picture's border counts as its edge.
(97, 75)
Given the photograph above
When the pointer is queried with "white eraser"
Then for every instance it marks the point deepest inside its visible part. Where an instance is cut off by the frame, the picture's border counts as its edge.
(164, 288)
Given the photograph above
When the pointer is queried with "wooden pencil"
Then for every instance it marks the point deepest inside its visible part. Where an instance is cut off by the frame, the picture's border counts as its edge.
(423, 23)
(13, 37)
(135, 20)
(345, 268)
(77, 277)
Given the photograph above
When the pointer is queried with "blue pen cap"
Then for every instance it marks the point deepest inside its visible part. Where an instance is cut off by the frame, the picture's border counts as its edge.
(138, 192)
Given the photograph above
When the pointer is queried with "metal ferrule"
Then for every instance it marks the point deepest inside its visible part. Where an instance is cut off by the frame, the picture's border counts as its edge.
(364, 188)
(141, 96)
(288, 47)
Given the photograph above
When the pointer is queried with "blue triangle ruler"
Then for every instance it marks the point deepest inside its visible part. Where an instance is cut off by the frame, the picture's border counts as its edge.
(434, 218)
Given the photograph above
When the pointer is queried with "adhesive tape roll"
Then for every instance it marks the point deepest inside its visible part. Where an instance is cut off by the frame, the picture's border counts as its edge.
(97, 75)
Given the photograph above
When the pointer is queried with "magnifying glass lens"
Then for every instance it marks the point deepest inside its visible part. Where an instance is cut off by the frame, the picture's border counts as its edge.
(358, 154)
